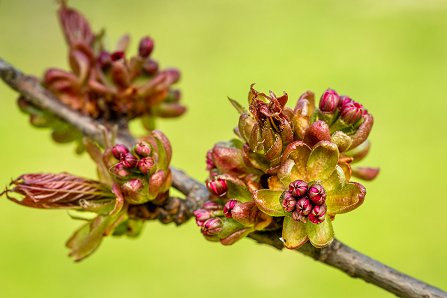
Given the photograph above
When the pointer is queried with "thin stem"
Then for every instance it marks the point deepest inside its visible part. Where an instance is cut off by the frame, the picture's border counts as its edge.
(337, 254)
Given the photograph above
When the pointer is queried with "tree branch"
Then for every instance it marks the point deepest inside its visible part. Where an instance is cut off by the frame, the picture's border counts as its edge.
(337, 254)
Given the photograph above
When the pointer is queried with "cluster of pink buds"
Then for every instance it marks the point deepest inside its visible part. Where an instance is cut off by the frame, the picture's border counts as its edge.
(305, 202)
(207, 218)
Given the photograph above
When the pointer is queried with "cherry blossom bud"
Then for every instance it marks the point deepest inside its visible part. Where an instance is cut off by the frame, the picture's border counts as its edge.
(146, 46)
(120, 171)
(142, 149)
(344, 100)
(289, 202)
(119, 151)
(329, 101)
(303, 206)
(228, 207)
(145, 165)
(212, 206)
(201, 216)
(129, 161)
(298, 188)
(318, 214)
(212, 226)
(150, 67)
(317, 194)
(351, 112)
(217, 186)
(297, 216)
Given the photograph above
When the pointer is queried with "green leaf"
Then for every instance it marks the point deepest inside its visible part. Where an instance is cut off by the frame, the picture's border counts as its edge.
(293, 233)
(346, 199)
(322, 161)
(322, 234)
(268, 202)
(236, 188)
(237, 106)
(336, 181)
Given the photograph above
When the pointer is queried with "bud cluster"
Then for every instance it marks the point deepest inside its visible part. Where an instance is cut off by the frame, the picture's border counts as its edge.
(207, 218)
(305, 202)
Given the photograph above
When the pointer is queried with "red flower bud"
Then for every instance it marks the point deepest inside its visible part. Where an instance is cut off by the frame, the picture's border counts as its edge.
(104, 59)
(146, 46)
(217, 186)
(212, 226)
(129, 161)
(344, 100)
(201, 216)
(317, 194)
(150, 67)
(120, 171)
(329, 101)
(212, 206)
(289, 202)
(298, 188)
(228, 207)
(303, 206)
(318, 214)
(146, 164)
(297, 216)
(142, 149)
(119, 151)
(351, 112)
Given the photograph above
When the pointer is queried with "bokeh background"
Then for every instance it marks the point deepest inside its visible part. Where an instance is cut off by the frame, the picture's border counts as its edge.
(389, 55)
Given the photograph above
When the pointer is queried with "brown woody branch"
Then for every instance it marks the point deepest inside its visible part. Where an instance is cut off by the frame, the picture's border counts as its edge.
(337, 254)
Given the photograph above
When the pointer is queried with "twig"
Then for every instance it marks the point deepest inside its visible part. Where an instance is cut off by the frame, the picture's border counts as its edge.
(337, 254)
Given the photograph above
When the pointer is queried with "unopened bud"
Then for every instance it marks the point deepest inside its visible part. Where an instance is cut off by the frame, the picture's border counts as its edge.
(352, 112)
(212, 206)
(228, 207)
(318, 214)
(317, 194)
(119, 151)
(142, 149)
(202, 215)
(289, 202)
(212, 226)
(297, 216)
(303, 206)
(145, 165)
(298, 188)
(120, 171)
(344, 100)
(329, 101)
(129, 161)
(150, 67)
(146, 46)
(217, 186)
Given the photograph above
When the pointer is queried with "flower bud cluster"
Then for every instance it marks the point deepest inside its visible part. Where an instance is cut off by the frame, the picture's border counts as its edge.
(109, 85)
(207, 218)
(305, 202)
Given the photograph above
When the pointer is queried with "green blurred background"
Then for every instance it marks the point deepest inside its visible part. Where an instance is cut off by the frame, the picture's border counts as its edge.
(389, 55)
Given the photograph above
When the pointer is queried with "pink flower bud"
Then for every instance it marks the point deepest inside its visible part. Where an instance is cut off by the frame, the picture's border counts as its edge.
(329, 101)
(344, 100)
(298, 188)
(228, 207)
(129, 161)
(217, 186)
(146, 46)
(119, 151)
(201, 216)
(212, 226)
(351, 112)
(317, 194)
(146, 164)
(212, 206)
(120, 171)
(132, 187)
(289, 202)
(318, 214)
(142, 149)
(150, 67)
(297, 216)
(304, 206)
